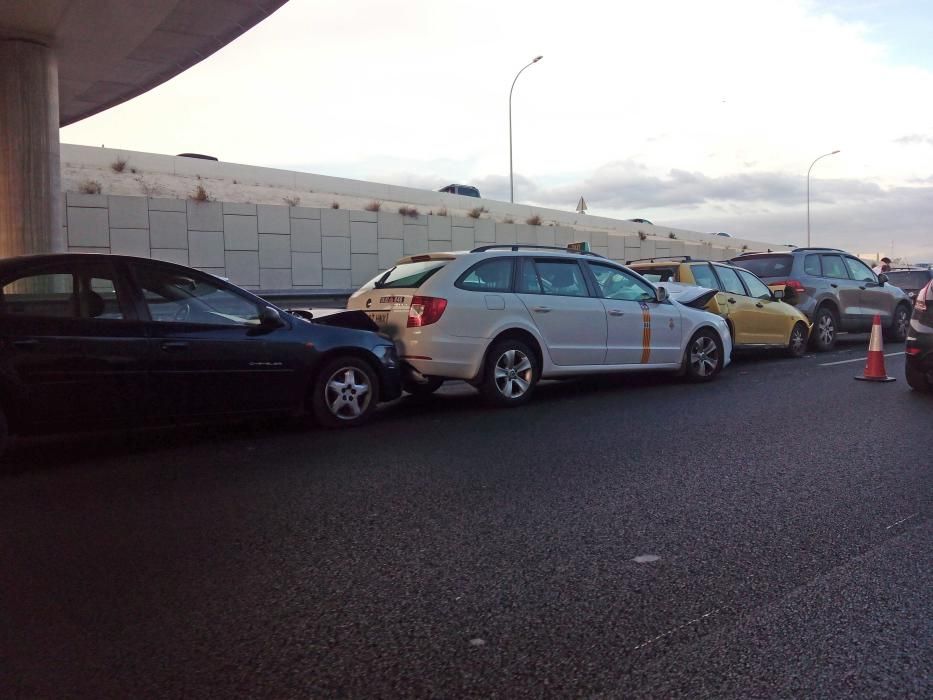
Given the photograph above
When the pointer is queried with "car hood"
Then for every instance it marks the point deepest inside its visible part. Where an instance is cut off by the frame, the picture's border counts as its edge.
(688, 294)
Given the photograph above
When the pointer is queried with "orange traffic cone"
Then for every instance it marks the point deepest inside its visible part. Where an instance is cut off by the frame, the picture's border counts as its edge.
(874, 367)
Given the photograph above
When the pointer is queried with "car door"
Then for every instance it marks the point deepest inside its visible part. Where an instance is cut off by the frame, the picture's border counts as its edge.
(742, 309)
(210, 353)
(771, 321)
(846, 289)
(72, 351)
(571, 321)
(704, 276)
(640, 330)
(874, 299)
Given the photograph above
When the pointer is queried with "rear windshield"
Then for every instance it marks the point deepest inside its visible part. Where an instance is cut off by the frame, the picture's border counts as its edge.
(409, 275)
(657, 274)
(909, 279)
(767, 265)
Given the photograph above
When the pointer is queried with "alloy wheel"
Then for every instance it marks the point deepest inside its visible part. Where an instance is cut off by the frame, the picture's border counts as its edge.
(797, 340)
(903, 322)
(704, 356)
(514, 373)
(347, 393)
(826, 329)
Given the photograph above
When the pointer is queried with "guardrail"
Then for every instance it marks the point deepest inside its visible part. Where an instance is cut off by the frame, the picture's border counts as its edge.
(307, 298)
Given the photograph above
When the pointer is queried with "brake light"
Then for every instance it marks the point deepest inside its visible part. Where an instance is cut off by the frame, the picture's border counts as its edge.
(796, 285)
(425, 310)
(921, 303)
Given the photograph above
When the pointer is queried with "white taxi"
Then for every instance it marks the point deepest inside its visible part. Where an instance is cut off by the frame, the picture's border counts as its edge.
(503, 317)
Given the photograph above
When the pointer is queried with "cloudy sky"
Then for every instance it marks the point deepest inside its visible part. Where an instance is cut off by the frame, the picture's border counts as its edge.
(702, 115)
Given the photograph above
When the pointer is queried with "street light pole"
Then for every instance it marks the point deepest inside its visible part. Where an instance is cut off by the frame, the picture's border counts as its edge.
(511, 176)
(808, 191)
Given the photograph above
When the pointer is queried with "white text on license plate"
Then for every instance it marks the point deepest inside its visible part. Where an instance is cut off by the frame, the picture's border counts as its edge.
(379, 317)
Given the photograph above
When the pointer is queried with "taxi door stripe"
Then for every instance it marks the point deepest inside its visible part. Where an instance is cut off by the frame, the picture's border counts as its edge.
(646, 333)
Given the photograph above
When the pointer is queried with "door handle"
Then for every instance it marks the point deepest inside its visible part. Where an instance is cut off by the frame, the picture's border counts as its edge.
(616, 312)
(27, 344)
(541, 309)
(760, 305)
(862, 288)
(174, 346)
(731, 301)
(833, 285)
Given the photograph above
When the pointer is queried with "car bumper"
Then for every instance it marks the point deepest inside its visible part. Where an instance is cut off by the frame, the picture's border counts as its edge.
(438, 355)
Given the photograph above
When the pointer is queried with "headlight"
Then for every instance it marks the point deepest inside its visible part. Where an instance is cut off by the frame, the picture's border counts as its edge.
(387, 355)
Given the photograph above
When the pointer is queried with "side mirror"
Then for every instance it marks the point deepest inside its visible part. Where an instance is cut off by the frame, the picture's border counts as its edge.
(270, 318)
(778, 294)
(662, 295)
(882, 278)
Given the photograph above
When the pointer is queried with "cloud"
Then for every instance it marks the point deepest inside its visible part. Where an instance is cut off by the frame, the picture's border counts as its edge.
(914, 139)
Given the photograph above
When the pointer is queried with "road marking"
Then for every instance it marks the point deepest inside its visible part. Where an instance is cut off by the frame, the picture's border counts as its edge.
(679, 627)
(904, 520)
(857, 359)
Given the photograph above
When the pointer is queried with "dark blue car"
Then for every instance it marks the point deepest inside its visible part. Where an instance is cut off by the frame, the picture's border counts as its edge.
(101, 341)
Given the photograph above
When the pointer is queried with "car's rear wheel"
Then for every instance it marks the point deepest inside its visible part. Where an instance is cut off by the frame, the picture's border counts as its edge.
(423, 388)
(797, 345)
(345, 394)
(900, 324)
(825, 325)
(511, 373)
(703, 357)
(917, 379)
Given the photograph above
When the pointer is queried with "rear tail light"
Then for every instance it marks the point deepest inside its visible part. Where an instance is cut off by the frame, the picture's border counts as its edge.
(796, 285)
(425, 310)
(921, 303)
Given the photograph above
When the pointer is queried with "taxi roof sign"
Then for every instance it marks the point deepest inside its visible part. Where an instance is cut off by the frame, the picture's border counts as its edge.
(581, 247)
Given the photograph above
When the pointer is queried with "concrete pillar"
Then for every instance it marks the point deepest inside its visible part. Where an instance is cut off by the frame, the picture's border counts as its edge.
(30, 168)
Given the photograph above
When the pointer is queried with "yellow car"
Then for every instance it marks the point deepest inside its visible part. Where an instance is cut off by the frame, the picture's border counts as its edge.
(757, 316)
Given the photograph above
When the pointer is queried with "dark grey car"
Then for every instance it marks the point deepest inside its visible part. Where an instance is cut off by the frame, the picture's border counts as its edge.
(910, 279)
(836, 290)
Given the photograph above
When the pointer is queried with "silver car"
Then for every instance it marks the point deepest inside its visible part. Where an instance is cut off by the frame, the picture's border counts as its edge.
(836, 290)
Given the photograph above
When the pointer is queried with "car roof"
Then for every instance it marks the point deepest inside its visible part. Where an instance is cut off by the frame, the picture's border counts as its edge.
(506, 249)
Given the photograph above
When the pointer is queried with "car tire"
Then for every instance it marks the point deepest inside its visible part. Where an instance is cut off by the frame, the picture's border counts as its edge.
(423, 388)
(825, 329)
(703, 357)
(510, 375)
(917, 379)
(338, 397)
(900, 324)
(797, 344)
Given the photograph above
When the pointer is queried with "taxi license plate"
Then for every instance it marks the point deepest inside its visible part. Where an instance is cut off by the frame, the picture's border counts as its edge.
(379, 317)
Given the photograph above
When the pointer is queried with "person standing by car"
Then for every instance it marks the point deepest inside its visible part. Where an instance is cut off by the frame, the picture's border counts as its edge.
(883, 266)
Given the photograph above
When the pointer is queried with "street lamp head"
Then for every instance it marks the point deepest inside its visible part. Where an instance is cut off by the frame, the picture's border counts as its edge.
(537, 58)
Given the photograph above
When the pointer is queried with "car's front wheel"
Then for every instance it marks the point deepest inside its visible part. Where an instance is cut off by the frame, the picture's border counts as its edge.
(824, 330)
(900, 324)
(797, 345)
(345, 394)
(917, 379)
(511, 373)
(703, 357)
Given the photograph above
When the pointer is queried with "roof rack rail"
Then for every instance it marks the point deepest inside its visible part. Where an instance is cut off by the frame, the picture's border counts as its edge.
(516, 246)
(661, 258)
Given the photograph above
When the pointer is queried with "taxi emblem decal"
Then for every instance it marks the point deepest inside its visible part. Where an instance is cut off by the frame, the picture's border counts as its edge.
(646, 333)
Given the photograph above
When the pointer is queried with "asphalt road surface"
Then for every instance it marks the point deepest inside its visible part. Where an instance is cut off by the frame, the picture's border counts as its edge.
(765, 535)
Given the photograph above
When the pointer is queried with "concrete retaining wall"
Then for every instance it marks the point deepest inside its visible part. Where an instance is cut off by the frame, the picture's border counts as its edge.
(280, 247)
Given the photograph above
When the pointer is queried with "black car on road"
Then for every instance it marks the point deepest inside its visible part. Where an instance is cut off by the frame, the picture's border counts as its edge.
(910, 279)
(919, 347)
(93, 341)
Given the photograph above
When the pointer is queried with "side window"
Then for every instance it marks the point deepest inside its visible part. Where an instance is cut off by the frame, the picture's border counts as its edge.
(811, 265)
(616, 284)
(730, 280)
(186, 298)
(703, 274)
(561, 278)
(42, 295)
(833, 267)
(860, 271)
(528, 282)
(494, 275)
(756, 287)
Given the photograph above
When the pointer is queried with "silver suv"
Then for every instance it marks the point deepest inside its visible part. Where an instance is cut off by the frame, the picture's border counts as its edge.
(836, 290)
